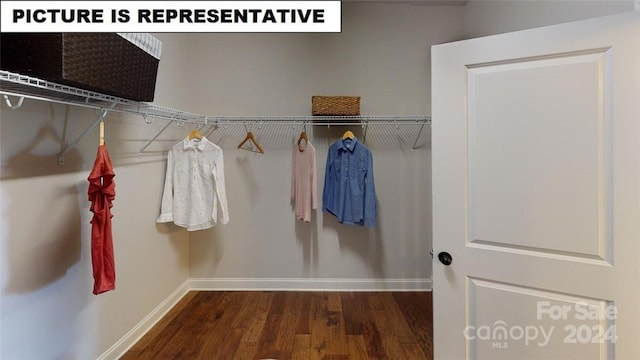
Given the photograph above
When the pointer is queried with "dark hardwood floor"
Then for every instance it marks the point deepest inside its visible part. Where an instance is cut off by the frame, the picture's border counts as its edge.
(292, 325)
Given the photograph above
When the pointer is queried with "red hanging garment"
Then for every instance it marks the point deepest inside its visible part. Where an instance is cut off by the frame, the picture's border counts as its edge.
(102, 192)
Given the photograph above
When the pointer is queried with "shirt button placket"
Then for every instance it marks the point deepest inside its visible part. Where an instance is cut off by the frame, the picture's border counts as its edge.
(346, 166)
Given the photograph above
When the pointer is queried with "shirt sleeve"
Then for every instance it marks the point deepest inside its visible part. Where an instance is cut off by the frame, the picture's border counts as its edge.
(293, 173)
(166, 209)
(221, 192)
(370, 211)
(326, 191)
(314, 181)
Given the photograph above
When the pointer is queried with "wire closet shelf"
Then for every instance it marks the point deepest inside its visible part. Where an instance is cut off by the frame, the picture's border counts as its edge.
(22, 87)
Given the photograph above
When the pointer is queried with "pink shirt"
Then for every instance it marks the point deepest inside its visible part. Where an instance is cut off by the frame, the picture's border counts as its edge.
(304, 180)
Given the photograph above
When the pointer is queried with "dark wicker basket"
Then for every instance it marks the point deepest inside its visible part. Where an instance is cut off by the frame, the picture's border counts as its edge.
(335, 105)
(101, 62)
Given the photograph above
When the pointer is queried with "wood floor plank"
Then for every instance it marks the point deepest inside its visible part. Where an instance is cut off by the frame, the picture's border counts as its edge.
(267, 344)
(328, 337)
(189, 344)
(376, 302)
(401, 328)
(368, 328)
(221, 339)
(337, 357)
(303, 326)
(337, 335)
(388, 335)
(354, 313)
(333, 301)
(417, 310)
(301, 347)
(413, 351)
(249, 325)
(184, 329)
(320, 335)
(373, 341)
(328, 321)
(287, 329)
(260, 317)
(250, 302)
(245, 350)
(357, 347)
(223, 349)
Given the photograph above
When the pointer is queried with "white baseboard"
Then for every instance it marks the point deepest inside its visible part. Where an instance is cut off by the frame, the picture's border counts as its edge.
(134, 335)
(295, 284)
(215, 284)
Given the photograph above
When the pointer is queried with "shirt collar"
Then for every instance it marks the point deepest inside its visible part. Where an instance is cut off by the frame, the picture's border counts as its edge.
(348, 145)
(194, 144)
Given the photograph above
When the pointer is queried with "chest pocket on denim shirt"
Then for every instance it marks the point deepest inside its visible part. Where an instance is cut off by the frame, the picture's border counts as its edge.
(337, 167)
(356, 169)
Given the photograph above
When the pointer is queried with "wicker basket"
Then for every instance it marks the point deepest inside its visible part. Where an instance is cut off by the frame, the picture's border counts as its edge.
(335, 105)
(101, 62)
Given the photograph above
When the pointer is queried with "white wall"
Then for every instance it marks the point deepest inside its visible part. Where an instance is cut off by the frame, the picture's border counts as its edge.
(381, 55)
(489, 17)
(47, 307)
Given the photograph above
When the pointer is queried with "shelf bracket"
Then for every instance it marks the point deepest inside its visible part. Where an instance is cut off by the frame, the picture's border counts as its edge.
(100, 117)
(365, 127)
(13, 106)
(415, 143)
(156, 136)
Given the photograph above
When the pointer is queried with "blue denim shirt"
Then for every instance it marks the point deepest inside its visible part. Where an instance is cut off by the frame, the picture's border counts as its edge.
(349, 192)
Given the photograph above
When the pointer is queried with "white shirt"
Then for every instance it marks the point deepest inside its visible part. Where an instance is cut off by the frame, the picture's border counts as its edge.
(194, 186)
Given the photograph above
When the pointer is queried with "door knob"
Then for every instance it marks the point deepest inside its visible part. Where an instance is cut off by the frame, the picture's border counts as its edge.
(445, 258)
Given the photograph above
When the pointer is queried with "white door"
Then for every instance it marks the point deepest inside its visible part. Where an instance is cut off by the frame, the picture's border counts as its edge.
(536, 193)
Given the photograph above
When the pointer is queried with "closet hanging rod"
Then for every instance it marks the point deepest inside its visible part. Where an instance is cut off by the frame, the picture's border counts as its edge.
(321, 120)
(23, 86)
(144, 109)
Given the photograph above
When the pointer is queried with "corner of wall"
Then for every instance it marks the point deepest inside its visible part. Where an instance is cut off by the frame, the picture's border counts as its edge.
(141, 328)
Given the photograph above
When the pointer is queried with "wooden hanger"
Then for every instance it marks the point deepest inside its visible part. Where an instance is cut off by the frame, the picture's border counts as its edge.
(303, 136)
(101, 142)
(195, 134)
(348, 135)
(251, 138)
